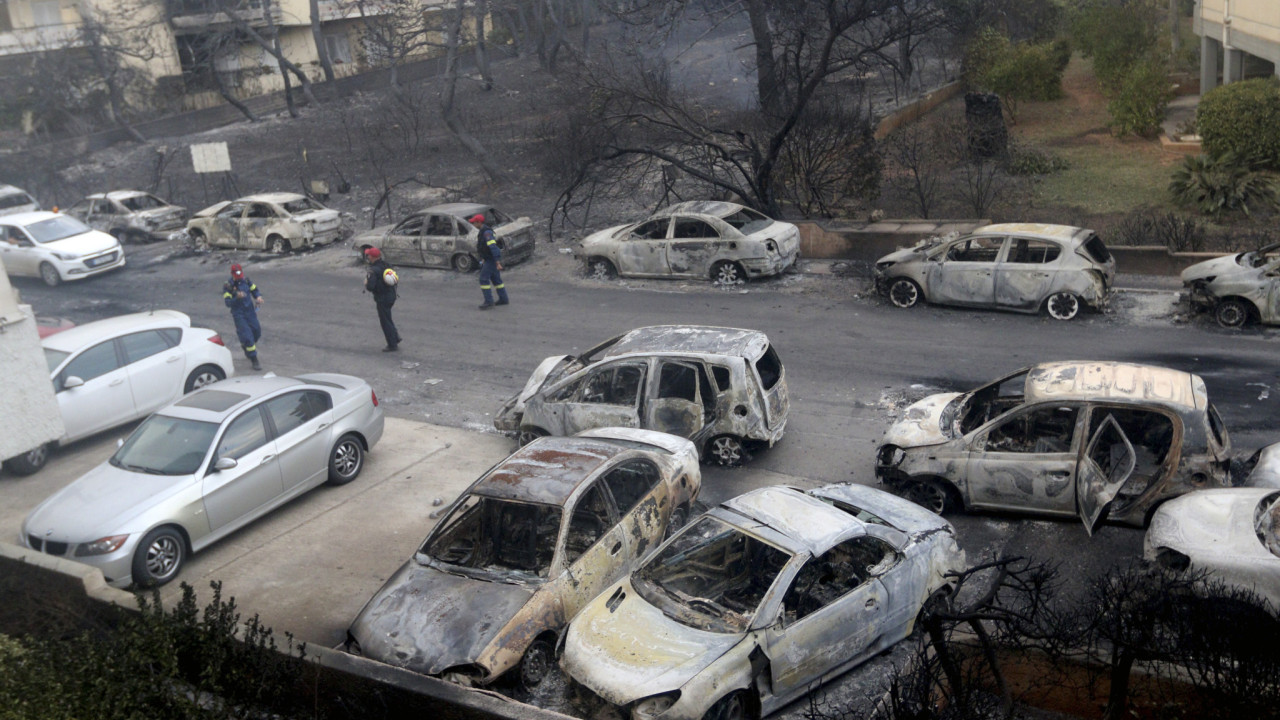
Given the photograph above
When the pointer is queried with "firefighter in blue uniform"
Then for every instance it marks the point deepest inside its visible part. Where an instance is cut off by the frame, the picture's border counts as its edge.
(242, 296)
(490, 263)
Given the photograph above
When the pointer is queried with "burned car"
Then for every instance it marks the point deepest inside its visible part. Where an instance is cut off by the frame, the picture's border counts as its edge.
(1024, 267)
(130, 215)
(1087, 439)
(760, 600)
(16, 200)
(1232, 535)
(442, 237)
(723, 388)
(526, 546)
(723, 241)
(277, 222)
(1237, 288)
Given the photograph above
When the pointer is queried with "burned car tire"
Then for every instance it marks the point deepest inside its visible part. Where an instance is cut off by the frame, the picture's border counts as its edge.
(159, 557)
(601, 269)
(1062, 306)
(678, 518)
(929, 494)
(199, 241)
(725, 450)
(278, 245)
(529, 434)
(537, 662)
(346, 459)
(28, 462)
(729, 707)
(1231, 313)
(904, 293)
(203, 375)
(727, 272)
(136, 237)
(464, 263)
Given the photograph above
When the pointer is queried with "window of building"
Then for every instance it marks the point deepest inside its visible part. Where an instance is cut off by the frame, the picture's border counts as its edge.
(46, 12)
(338, 47)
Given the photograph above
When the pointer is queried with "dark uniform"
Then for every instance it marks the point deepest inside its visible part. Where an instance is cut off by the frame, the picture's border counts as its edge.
(490, 264)
(384, 296)
(242, 296)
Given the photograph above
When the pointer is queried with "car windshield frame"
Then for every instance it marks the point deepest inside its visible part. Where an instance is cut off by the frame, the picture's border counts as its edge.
(59, 227)
(1268, 514)
(140, 203)
(743, 221)
(54, 358)
(511, 518)
(301, 205)
(164, 437)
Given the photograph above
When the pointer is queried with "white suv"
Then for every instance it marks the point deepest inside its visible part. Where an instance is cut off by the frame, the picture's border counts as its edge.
(55, 247)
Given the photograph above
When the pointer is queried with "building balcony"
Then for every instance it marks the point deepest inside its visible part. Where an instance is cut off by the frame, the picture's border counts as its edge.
(38, 39)
(199, 15)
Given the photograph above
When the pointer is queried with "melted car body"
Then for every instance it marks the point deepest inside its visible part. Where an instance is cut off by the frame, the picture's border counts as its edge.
(441, 237)
(1237, 288)
(523, 549)
(760, 600)
(722, 241)
(1087, 439)
(277, 222)
(1023, 267)
(719, 387)
(129, 215)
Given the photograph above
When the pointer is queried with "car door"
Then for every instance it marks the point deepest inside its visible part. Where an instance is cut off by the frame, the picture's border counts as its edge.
(256, 224)
(606, 396)
(20, 253)
(643, 501)
(302, 422)
(224, 229)
(674, 403)
(837, 590)
(694, 245)
(1027, 273)
(964, 273)
(157, 367)
(1108, 461)
(102, 400)
(595, 548)
(239, 492)
(402, 245)
(440, 241)
(643, 250)
(1026, 460)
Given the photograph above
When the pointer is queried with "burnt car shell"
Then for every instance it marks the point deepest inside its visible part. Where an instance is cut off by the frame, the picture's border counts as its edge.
(1251, 278)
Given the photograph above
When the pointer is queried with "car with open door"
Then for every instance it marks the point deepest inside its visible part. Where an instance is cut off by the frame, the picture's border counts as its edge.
(1093, 440)
(723, 388)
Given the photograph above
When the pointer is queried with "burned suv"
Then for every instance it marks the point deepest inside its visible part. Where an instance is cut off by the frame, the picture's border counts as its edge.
(1087, 439)
(723, 388)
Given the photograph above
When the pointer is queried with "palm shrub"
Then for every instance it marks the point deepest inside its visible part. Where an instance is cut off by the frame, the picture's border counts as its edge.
(1214, 186)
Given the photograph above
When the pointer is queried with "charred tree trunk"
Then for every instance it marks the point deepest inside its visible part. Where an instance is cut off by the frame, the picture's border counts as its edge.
(482, 50)
(1118, 699)
(107, 68)
(766, 69)
(284, 75)
(225, 92)
(317, 34)
(270, 47)
(448, 109)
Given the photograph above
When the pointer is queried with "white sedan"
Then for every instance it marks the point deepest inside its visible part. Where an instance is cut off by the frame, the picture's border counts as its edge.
(113, 371)
(55, 247)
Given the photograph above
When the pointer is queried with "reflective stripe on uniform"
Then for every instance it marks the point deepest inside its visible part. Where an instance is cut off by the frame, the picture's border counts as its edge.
(487, 287)
(226, 295)
(503, 285)
(250, 348)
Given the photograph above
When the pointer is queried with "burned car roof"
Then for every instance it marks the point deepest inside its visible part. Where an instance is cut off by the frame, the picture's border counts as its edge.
(1061, 233)
(547, 471)
(813, 525)
(689, 339)
(278, 198)
(1114, 380)
(458, 208)
(700, 207)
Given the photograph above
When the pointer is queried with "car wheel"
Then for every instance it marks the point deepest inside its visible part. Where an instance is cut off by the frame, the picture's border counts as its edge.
(537, 662)
(529, 434)
(203, 375)
(729, 707)
(28, 462)
(601, 269)
(159, 557)
(120, 235)
(49, 274)
(678, 518)
(904, 293)
(727, 272)
(278, 245)
(346, 459)
(928, 494)
(725, 450)
(200, 242)
(1231, 313)
(936, 603)
(464, 263)
(136, 236)
(1062, 306)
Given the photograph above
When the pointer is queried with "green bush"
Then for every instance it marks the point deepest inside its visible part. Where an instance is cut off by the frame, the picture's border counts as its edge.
(1243, 119)
(1030, 161)
(1014, 72)
(1116, 37)
(1139, 107)
(1215, 186)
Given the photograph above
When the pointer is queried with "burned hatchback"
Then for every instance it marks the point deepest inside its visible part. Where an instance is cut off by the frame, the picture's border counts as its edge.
(130, 215)
(1023, 267)
(1087, 439)
(522, 549)
(1237, 288)
(723, 388)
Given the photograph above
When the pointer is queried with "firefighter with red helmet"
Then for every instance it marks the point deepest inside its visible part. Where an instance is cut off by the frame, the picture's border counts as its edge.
(490, 263)
(381, 280)
(242, 296)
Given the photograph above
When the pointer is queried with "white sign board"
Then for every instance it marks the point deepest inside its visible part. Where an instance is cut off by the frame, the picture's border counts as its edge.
(210, 158)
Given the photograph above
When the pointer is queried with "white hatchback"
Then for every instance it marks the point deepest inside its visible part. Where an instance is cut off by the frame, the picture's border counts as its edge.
(55, 247)
(113, 371)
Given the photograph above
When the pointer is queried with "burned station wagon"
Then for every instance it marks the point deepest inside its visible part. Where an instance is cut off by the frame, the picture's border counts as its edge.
(277, 222)
(442, 237)
(720, 387)
(723, 241)
(523, 549)
(1024, 267)
(762, 599)
(1087, 439)
(1237, 288)
(130, 215)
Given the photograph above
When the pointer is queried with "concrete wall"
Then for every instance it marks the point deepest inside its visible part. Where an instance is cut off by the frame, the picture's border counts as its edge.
(29, 415)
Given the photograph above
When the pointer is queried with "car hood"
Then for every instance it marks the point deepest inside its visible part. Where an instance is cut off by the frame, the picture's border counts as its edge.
(508, 418)
(1209, 268)
(212, 209)
(372, 237)
(86, 243)
(1210, 522)
(101, 502)
(606, 236)
(428, 620)
(921, 424)
(635, 650)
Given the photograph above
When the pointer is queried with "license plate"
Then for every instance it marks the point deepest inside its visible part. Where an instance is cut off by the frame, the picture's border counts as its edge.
(102, 260)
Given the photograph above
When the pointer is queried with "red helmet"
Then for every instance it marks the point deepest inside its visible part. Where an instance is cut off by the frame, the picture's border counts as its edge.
(477, 218)
(373, 253)
(237, 271)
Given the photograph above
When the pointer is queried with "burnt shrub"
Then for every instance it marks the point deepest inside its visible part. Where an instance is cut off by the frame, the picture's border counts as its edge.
(1176, 232)
(1242, 119)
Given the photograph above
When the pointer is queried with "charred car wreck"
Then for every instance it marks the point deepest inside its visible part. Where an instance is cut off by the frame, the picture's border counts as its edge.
(760, 600)
(130, 215)
(277, 222)
(1237, 288)
(720, 387)
(1065, 439)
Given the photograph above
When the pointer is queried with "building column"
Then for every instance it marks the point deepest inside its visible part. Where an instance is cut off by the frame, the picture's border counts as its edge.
(1209, 49)
(1232, 66)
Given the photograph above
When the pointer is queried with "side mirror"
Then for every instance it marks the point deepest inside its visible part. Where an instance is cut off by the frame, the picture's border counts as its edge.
(225, 464)
(72, 381)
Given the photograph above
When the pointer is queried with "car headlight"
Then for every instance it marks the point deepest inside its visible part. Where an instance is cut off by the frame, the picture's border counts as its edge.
(882, 266)
(1171, 559)
(66, 256)
(652, 707)
(891, 456)
(101, 546)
